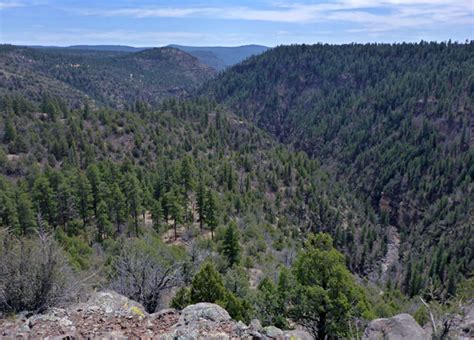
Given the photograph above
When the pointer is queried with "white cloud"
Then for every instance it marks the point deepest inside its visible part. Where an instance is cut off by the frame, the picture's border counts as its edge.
(385, 14)
(10, 4)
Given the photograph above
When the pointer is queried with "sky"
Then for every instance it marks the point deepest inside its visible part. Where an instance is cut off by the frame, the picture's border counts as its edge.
(232, 23)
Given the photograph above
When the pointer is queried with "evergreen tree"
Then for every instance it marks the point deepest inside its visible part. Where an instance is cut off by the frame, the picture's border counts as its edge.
(10, 131)
(66, 200)
(93, 176)
(269, 309)
(211, 212)
(326, 296)
(174, 208)
(117, 206)
(201, 203)
(84, 197)
(186, 173)
(230, 244)
(8, 209)
(26, 218)
(104, 226)
(157, 215)
(207, 285)
(133, 197)
(44, 199)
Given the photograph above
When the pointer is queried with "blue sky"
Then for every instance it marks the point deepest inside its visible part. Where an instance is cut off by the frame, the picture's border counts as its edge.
(231, 23)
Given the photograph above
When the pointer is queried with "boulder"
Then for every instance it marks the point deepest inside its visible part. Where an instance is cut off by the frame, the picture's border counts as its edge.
(297, 335)
(273, 332)
(255, 325)
(399, 327)
(204, 321)
(204, 311)
(111, 303)
(462, 325)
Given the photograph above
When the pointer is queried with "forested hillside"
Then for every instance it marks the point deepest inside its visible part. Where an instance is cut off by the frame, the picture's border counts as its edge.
(105, 78)
(191, 175)
(318, 185)
(394, 122)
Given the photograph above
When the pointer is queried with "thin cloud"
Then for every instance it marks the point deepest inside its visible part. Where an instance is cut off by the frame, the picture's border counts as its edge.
(10, 4)
(125, 37)
(388, 14)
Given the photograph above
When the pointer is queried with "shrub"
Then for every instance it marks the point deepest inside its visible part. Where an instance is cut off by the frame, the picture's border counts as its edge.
(145, 268)
(34, 273)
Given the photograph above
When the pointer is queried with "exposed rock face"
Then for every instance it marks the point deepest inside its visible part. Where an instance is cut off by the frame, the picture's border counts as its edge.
(109, 315)
(462, 326)
(399, 327)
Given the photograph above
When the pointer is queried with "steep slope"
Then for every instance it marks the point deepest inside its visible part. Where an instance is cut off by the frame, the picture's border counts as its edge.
(220, 57)
(395, 122)
(277, 196)
(109, 78)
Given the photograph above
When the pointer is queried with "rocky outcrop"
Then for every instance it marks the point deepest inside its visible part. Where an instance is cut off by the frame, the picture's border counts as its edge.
(461, 326)
(403, 326)
(399, 327)
(109, 315)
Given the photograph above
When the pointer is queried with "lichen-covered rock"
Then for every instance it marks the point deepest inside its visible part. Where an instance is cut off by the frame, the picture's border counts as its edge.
(108, 315)
(255, 325)
(112, 303)
(399, 327)
(273, 332)
(204, 311)
(297, 335)
(203, 321)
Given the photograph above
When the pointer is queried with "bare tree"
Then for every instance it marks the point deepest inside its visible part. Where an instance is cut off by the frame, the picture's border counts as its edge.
(145, 269)
(34, 273)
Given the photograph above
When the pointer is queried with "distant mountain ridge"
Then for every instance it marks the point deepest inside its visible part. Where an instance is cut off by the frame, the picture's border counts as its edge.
(106, 77)
(217, 57)
(220, 57)
(105, 48)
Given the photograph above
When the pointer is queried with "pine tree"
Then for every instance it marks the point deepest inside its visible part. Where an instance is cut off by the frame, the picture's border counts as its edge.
(157, 215)
(230, 244)
(201, 203)
(133, 197)
(10, 131)
(207, 285)
(325, 295)
(67, 203)
(93, 175)
(103, 222)
(174, 208)
(117, 205)
(83, 197)
(186, 173)
(44, 199)
(211, 212)
(8, 209)
(25, 213)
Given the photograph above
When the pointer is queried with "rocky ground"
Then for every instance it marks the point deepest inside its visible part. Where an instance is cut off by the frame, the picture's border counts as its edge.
(403, 326)
(108, 315)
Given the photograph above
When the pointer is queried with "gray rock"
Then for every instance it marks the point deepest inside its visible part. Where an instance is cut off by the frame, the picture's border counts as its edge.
(462, 326)
(112, 303)
(273, 332)
(399, 327)
(204, 311)
(255, 325)
(241, 329)
(297, 335)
